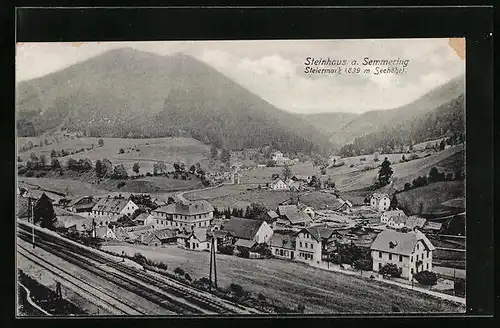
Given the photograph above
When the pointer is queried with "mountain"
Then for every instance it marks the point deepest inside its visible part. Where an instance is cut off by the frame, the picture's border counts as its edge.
(329, 122)
(383, 120)
(130, 93)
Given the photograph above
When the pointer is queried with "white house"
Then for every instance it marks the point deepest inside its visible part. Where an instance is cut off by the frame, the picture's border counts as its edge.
(308, 246)
(247, 229)
(380, 202)
(412, 251)
(307, 209)
(183, 214)
(278, 184)
(114, 206)
(144, 219)
(395, 219)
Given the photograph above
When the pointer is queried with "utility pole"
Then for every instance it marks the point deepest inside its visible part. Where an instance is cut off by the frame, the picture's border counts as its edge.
(33, 222)
(211, 251)
(215, 264)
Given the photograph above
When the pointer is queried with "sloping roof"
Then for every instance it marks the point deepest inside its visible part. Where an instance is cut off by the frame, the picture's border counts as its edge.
(398, 218)
(393, 213)
(36, 194)
(298, 217)
(75, 201)
(142, 217)
(200, 234)
(165, 233)
(283, 240)
(245, 243)
(301, 177)
(378, 196)
(415, 222)
(287, 209)
(138, 228)
(433, 225)
(189, 208)
(320, 232)
(272, 214)
(403, 243)
(243, 228)
(113, 205)
(275, 181)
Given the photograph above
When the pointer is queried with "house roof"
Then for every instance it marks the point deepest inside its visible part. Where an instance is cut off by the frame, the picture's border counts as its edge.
(393, 213)
(320, 232)
(283, 240)
(287, 209)
(142, 217)
(165, 233)
(187, 208)
(415, 222)
(301, 177)
(298, 217)
(403, 243)
(75, 201)
(245, 243)
(433, 225)
(200, 234)
(398, 218)
(113, 205)
(272, 214)
(243, 228)
(277, 180)
(378, 196)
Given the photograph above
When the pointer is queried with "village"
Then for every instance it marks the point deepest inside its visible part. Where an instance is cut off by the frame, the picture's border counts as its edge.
(376, 240)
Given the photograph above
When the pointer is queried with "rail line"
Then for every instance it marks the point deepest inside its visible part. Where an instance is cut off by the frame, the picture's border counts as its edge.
(161, 290)
(99, 296)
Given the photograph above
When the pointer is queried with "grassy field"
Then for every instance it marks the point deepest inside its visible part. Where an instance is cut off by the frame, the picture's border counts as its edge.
(73, 187)
(430, 196)
(292, 283)
(146, 152)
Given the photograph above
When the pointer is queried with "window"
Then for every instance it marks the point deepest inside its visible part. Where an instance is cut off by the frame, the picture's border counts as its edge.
(277, 251)
(411, 259)
(311, 246)
(305, 245)
(411, 271)
(417, 246)
(380, 254)
(390, 256)
(400, 258)
(428, 253)
(300, 244)
(417, 257)
(380, 266)
(427, 266)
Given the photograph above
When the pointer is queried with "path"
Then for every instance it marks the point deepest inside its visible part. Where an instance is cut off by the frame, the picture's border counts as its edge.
(180, 195)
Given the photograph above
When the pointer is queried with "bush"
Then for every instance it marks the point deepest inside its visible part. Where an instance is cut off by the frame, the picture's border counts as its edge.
(188, 277)
(352, 165)
(391, 269)
(149, 174)
(301, 308)
(162, 265)
(362, 159)
(22, 170)
(121, 184)
(228, 250)
(426, 278)
(261, 297)
(139, 258)
(237, 290)
(407, 186)
(41, 174)
(29, 174)
(363, 264)
(179, 271)
(121, 151)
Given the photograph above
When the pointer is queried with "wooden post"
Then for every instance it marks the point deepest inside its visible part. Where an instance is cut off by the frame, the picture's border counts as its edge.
(33, 222)
(210, 274)
(215, 268)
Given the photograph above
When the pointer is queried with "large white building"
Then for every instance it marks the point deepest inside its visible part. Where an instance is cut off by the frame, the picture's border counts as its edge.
(109, 206)
(412, 252)
(183, 214)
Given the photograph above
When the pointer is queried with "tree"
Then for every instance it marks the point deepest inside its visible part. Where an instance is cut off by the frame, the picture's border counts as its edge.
(99, 169)
(44, 212)
(100, 142)
(192, 169)
(170, 200)
(287, 172)
(426, 278)
(391, 269)
(407, 186)
(55, 164)
(225, 156)
(403, 158)
(385, 172)
(394, 202)
(46, 142)
(442, 145)
(30, 144)
(43, 160)
(323, 170)
(301, 308)
(213, 151)
(72, 163)
(179, 271)
(86, 164)
(107, 167)
(121, 151)
(53, 153)
(33, 157)
(458, 175)
(256, 211)
(119, 172)
(271, 163)
(275, 176)
(135, 168)
(330, 183)
(41, 143)
(160, 168)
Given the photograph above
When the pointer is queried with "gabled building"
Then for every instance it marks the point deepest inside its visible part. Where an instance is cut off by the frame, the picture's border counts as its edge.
(184, 214)
(308, 246)
(290, 215)
(307, 210)
(248, 229)
(160, 237)
(395, 219)
(415, 222)
(144, 219)
(282, 244)
(345, 206)
(114, 206)
(411, 251)
(278, 184)
(81, 204)
(380, 202)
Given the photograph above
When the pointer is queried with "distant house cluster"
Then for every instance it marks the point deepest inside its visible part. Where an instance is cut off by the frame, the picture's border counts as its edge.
(282, 160)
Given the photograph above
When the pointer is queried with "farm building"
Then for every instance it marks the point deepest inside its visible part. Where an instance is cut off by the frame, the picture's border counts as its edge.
(160, 237)
(412, 251)
(184, 214)
(114, 206)
(415, 222)
(380, 202)
(395, 219)
(250, 230)
(345, 206)
(80, 204)
(308, 245)
(195, 239)
(290, 215)
(144, 219)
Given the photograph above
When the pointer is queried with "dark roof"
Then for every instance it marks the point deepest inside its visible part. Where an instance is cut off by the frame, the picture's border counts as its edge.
(243, 228)
(415, 222)
(320, 232)
(272, 214)
(189, 208)
(298, 217)
(287, 209)
(403, 243)
(378, 196)
(245, 243)
(142, 217)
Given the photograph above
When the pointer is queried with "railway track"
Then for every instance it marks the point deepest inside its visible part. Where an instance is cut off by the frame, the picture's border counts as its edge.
(168, 293)
(98, 296)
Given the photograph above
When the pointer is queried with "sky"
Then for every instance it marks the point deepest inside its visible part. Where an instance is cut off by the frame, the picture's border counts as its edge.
(274, 69)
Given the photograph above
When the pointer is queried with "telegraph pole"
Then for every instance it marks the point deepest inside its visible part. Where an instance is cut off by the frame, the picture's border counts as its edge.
(211, 251)
(215, 264)
(33, 222)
